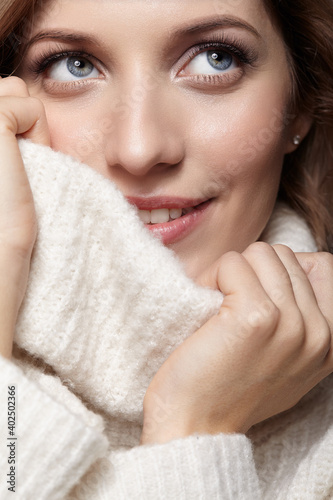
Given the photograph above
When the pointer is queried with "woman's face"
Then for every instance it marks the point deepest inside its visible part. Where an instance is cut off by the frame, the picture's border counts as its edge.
(183, 104)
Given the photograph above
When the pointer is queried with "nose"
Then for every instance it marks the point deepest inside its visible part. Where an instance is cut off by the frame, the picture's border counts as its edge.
(146, 133)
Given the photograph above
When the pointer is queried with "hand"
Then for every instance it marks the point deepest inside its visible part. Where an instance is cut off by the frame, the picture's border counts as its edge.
(20, 115)
(270, 344)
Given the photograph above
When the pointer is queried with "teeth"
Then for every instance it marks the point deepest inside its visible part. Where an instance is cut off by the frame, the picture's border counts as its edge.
(175, 213)
(161, 215)
(144, 216)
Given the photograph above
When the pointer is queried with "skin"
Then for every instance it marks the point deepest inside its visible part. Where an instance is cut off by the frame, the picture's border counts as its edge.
(196, 140)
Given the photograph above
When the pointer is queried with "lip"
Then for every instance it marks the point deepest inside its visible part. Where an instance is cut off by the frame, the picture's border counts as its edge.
(173, 231)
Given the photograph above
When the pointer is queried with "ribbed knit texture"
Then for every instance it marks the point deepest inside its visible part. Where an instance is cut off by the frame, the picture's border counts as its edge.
(105, 306)
(53, 449)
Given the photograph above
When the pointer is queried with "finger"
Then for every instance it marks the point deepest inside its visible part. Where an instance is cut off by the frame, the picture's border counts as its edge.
(230, 274)
(24, 116)
(244, 294)
(315, 304)
(275, 278)
(318, 268)
(303, 291)
(13, 86)
(272, 274)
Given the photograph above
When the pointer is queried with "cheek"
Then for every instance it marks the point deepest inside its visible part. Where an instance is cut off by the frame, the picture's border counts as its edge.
(242, 139)
(81, 134)
(242, 153)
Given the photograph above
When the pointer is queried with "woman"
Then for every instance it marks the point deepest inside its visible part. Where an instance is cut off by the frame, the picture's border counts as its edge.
(201, 130)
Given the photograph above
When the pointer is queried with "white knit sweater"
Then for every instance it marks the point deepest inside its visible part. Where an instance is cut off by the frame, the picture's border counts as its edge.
(106, 305)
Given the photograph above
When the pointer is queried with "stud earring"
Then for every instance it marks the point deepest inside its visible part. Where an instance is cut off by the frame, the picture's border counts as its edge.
(297, 140)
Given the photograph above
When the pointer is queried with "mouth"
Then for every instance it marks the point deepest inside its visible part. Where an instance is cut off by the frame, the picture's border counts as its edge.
(170, 220)
(163, 215)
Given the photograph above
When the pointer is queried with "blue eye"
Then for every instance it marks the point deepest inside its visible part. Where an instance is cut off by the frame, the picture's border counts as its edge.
(79, 67)
(219, 60)
(211, 62)
(72, 68)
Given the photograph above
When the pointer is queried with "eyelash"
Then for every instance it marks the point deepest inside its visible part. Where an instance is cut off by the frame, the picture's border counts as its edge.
(237, 48)
(46, 59)
(244, 55)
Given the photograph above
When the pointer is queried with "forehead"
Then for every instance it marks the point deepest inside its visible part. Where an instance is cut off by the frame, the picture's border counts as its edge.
(146, 17)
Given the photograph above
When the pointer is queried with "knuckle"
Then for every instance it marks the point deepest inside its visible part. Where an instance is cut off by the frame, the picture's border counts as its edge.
(37, 105)
(319, 264)
(258, 324)
(264, 319)
(17, 86)
(16, 107)
(230, 258)
(8, 121)
(322, 342)
(283, 250)
(259, 247)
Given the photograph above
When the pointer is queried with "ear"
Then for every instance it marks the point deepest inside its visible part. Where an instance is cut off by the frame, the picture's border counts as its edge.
(297, 131)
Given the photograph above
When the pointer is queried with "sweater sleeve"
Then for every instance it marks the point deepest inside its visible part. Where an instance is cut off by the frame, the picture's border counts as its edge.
(45, 449)
(196, 468)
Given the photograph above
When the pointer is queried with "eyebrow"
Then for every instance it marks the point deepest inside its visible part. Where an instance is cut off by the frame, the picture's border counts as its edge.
(60, 35)
(204, 25)
(217, 22)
